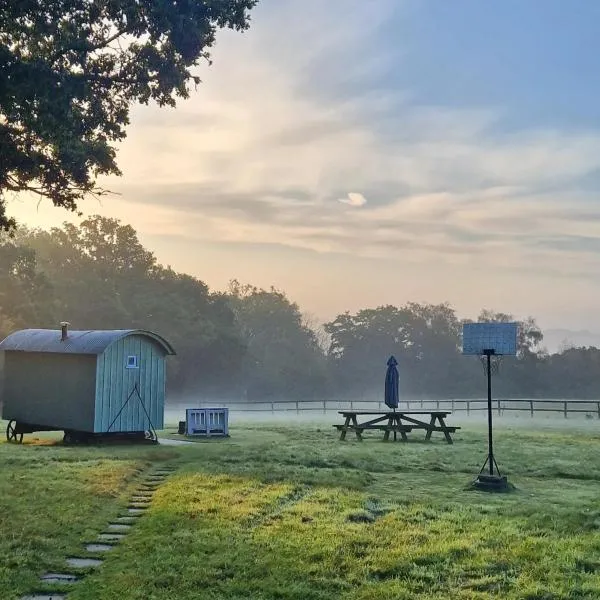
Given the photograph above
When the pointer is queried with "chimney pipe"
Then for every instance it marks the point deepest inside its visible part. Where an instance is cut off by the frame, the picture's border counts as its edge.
(64, 328)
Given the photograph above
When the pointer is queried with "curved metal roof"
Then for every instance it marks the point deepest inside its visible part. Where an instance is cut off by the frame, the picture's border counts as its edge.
(77, 342)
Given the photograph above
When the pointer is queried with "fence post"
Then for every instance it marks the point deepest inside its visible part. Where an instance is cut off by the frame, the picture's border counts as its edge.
(324, 407)
(468, 407)
(297, 408)
(452, 404)
(408, 405)
(599, 410)
(421, 403)
(531, 407)
(379, 405)
(273, 407)
(565, 409)
(438, 404)
(351, 405)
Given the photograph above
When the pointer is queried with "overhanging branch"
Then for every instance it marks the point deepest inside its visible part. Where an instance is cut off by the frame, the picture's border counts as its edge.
(85, 46)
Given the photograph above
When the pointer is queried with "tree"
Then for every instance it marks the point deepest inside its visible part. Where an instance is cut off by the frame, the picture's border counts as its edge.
(283, 357)
(362, 343)
(529, 335)
(26, 294)
(525, 374)
(199, 324)
(71, 69)
(573, 373)
(424, 338)
(103, 278)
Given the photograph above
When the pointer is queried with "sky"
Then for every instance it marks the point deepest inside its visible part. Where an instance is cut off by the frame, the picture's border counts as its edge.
(359, 153)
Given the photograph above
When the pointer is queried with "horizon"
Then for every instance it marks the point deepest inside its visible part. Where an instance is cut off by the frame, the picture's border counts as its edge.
(411, 153)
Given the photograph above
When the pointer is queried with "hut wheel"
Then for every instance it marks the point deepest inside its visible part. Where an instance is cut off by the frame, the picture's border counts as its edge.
(11, 433)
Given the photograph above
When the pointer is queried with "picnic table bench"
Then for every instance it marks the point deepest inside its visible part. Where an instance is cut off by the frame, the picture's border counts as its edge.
(401, 422)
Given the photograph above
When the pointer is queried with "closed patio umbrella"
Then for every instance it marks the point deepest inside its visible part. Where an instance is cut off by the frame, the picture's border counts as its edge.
(391, 383)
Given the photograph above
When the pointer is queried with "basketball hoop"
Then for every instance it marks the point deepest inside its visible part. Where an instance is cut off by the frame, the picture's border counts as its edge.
(490, 342)
(495, 362)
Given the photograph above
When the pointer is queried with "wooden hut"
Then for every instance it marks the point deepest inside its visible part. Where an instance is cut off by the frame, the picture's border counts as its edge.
(86, 383)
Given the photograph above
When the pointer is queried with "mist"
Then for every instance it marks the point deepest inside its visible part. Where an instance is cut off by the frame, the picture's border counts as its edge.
(312, 413)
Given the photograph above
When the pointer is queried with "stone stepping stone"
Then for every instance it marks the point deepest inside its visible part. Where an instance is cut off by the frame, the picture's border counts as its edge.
(119, 526)
(110, 537)
(135, 511)
(44, 597)
(128, 519)
(59, 578)
(99, 547)
(83, 563)
(142, 505)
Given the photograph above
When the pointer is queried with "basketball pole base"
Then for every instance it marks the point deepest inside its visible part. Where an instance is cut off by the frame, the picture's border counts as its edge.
(492, 481)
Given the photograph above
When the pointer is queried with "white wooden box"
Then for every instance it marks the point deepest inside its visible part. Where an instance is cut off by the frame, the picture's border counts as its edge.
(207, 422)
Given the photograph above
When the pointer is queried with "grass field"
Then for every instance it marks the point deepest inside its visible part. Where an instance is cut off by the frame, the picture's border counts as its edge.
(281, 513)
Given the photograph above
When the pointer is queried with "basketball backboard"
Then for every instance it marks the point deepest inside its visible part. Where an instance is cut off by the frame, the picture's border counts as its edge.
(499, 337)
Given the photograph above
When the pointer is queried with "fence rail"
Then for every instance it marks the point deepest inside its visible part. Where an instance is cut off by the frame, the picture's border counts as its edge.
(591, 408)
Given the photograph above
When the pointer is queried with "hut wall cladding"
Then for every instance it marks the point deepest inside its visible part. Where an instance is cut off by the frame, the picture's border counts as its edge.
(1, 381)
(115, 382)
(50, 389)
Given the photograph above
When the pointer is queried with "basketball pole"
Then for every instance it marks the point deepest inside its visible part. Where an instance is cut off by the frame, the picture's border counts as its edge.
(488, 356)
(493, 481)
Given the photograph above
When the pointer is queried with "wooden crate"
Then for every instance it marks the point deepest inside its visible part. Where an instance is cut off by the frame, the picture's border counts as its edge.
(207, 422)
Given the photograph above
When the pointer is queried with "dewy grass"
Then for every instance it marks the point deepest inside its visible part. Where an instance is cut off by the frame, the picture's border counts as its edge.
(287, 513)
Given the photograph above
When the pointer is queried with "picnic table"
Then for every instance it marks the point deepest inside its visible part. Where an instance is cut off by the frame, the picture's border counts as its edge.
(401, 422)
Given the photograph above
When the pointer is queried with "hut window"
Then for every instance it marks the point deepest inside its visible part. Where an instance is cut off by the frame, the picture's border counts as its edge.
(132, 362)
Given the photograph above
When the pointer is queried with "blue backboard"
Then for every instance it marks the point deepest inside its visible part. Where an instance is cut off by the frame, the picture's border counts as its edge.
(499, 337)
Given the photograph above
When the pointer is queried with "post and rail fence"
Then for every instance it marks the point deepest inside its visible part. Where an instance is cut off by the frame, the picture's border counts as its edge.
(589, 408)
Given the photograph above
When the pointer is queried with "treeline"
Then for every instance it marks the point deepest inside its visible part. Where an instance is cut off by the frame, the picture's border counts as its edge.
(256, 344)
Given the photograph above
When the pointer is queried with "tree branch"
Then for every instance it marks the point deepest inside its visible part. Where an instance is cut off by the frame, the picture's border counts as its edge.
(110, 79)
(87, 47)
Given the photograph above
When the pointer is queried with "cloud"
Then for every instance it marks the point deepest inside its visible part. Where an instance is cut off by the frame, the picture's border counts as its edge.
(307, 105)
(353, 199)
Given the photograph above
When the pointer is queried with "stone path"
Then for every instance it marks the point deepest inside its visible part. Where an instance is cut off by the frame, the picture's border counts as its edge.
(106, 540)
